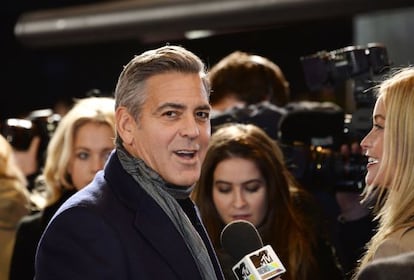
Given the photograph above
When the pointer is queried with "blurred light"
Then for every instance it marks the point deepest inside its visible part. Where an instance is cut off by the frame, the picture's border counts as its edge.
(197, 34)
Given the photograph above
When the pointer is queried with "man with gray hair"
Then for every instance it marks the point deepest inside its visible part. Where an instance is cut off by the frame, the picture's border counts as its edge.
(136, 220)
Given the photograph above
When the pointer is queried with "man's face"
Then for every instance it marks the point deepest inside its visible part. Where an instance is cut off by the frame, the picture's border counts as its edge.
(173, 131)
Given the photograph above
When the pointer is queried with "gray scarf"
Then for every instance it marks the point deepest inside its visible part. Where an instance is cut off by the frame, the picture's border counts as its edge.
(166, 197)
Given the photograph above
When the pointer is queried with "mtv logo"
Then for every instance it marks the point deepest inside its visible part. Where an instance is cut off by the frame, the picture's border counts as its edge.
(263, 257)
(242, 272)
(261, 264)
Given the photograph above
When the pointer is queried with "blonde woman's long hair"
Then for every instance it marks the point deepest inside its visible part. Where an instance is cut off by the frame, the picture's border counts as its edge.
(397, 93)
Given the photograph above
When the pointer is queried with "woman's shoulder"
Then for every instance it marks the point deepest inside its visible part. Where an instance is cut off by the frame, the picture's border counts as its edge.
(398, 242)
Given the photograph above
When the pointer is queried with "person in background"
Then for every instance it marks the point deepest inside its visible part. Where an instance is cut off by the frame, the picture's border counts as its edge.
(29, 137)
(355, 227)
(390, 151)
(241, 78)
(135, 220)
(14, 203)
(244, 177)
(248, 88)
(78, 148)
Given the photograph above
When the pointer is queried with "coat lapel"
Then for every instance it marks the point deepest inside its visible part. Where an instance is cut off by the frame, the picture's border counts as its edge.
(151, 221)
(158, 229)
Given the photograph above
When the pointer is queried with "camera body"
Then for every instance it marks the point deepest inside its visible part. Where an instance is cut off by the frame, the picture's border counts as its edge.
(20, 132)
(322, 142)
(323, 67)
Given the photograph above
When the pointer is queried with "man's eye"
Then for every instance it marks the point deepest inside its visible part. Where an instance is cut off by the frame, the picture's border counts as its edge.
(170, 114)
(203, 115)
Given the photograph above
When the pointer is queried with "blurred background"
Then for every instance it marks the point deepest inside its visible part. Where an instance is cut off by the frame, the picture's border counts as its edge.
(53, 51)
(56, 51)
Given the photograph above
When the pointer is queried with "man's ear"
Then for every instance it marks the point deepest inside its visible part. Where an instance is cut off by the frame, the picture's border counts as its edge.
(125, 124)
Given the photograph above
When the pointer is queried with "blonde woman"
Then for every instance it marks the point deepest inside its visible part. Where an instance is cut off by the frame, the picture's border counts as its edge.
(389, 147)
(78, 149)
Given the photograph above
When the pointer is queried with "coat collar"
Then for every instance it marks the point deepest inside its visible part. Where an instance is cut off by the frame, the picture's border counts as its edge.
(150, 220)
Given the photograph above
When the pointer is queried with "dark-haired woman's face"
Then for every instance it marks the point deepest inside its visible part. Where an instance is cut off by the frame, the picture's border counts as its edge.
(239, 191)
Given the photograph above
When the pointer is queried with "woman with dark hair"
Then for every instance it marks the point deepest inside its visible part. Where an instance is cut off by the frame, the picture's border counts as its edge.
(244, 177)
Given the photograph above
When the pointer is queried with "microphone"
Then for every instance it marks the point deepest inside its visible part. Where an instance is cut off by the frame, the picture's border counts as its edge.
(242, 241)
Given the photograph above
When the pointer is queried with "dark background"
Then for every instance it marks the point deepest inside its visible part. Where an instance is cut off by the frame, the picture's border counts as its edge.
(38, 77)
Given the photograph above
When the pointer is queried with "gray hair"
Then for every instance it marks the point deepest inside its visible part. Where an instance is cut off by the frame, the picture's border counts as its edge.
(130, 91)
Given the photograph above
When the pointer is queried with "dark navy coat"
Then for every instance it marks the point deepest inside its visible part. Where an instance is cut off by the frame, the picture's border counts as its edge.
(112, 229)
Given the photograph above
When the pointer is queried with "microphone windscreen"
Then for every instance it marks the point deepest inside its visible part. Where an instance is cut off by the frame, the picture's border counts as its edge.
(240, 238)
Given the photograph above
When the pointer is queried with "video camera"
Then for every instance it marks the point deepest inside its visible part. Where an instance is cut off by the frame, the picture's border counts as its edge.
(332, 67)
(322, 139)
